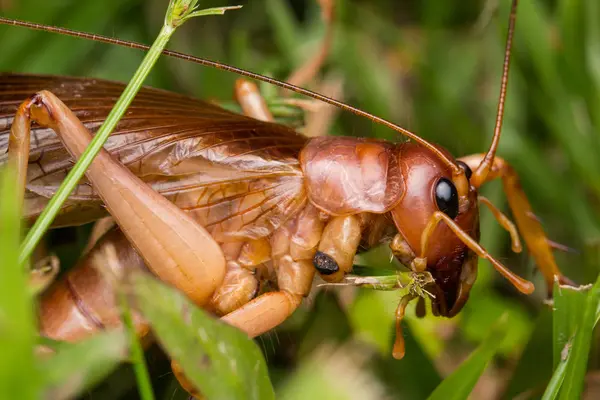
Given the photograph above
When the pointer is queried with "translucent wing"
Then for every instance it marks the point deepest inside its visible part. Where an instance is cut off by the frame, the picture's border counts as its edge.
(238, 176)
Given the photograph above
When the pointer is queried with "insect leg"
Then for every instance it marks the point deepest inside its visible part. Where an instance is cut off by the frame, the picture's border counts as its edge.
(521, 284)
(175, 247)
(402, 250)
(337, 248)
(505, 222)
(398, 349)
(529, 226)
(240, 284)
(18, 145)
(292, 249)
(99, 229)
(251, 101)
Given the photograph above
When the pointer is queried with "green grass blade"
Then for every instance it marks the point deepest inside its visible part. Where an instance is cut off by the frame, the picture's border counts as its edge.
(558, 377)
(576, 368)
(137, 353)
(569, 305)
(218, 359)
(461, 382)
(18, 375)
(78, 367)
(569, 309)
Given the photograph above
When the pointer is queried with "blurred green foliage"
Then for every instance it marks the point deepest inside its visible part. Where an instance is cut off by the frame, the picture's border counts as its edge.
(434, 67)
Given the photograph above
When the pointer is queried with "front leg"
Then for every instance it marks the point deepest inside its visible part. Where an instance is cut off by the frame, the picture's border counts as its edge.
(177, 249)
(404, 253)
(529, 226)
(337, 248)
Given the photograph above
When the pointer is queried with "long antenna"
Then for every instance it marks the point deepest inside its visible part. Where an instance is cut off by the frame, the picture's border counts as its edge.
(456, 170)
(480, 175)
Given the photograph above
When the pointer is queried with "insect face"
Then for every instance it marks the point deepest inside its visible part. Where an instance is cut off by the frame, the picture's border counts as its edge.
(429, 190)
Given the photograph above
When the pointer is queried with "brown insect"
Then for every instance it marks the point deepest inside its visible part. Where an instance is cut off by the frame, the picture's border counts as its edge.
(209, 200)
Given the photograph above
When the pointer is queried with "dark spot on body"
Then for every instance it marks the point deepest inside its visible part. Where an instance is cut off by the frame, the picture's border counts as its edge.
(325, 264)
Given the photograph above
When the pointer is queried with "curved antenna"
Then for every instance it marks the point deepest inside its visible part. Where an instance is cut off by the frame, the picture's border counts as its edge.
(456, 170)
(482, 171)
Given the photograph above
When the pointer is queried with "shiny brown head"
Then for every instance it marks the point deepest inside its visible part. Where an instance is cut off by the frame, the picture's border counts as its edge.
(429, 189)
(437, 184)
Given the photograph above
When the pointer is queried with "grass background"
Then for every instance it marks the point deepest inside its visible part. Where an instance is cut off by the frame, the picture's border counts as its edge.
(434, 67)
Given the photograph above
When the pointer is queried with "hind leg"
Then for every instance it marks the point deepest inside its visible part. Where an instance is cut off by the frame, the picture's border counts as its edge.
(174, 246)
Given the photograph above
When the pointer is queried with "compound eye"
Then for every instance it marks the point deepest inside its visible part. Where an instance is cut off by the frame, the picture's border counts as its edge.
(446, 197)
(467, 169)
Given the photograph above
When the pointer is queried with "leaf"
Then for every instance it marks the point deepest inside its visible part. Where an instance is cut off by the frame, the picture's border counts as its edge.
(569, 306)
(18, 376)
(558, 377)
(461, 382)
(79, 366)
(576, 368)
(137, 352)
(218, 359)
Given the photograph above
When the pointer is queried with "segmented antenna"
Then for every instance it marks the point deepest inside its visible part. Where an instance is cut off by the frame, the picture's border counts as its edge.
(224, 67)
(482, 171)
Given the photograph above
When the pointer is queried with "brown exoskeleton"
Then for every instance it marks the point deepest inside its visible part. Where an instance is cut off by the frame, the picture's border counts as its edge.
(206, 199)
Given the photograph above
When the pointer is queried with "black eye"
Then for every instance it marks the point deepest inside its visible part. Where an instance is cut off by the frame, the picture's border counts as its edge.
(446, 197)
(467, 169)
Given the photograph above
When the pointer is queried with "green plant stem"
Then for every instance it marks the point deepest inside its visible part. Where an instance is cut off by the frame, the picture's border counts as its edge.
(66, 188)
(137, 353)
(18, 376)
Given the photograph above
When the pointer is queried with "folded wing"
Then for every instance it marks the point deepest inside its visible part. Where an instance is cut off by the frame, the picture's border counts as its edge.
(238, 176)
